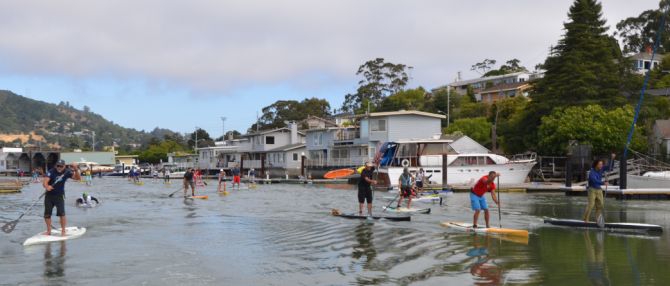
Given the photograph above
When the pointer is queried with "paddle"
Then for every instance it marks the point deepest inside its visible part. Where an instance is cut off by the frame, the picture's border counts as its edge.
(389, 205)
(9, 227)
(172, 194)
(499, 202)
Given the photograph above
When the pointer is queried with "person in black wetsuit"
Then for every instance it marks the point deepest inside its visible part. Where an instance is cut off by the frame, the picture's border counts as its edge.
(188, 181)
(365, 188)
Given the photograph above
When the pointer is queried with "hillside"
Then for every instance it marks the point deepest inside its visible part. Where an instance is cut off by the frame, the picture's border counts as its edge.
(64, 125)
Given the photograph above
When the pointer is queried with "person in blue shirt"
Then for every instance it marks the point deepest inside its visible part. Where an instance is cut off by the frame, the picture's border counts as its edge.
(595, 190)
(54, 184)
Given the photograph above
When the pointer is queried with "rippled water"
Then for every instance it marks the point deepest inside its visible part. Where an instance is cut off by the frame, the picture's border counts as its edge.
(284, 235)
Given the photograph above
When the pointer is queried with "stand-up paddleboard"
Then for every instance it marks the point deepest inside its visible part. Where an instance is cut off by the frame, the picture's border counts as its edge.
(406, 210)
(502, 231)
(423, 199)
(339, 173)
(393, 218)
(70, 233)
(199, 197)
(617, 226)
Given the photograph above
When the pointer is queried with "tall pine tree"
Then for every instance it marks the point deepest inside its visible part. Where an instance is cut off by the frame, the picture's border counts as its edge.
(585, 67)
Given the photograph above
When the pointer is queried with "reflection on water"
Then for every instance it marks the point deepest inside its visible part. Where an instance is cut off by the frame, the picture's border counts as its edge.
(483, 268)
(54, 266)
(595, 259)
(364, 245)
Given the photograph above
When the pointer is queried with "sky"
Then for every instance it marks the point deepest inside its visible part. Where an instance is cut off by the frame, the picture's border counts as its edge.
(185, 64)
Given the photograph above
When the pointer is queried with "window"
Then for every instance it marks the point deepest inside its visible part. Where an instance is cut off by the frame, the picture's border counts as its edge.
(378, 125)
(295, 156)
(269, 140)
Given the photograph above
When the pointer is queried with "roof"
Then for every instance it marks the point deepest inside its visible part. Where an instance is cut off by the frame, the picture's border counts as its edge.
(270, 131)
(126, 156)
(471, 81)
(424, 141)
(506, 87)
(404, 112)
(288, 147)
(332, 128)
(647, 56)
(663, 127)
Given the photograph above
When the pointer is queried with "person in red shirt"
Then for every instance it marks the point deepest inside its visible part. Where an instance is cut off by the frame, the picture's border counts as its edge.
(478, 200)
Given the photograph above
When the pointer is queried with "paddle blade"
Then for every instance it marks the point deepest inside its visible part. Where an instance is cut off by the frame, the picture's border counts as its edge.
(600, 221)
(9, 227)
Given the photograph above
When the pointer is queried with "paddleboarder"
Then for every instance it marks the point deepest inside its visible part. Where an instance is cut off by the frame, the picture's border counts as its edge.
(478, 200)
(54, 184)
(365, 188)
(236, 175)
(420, 177)
(406, 183)
(188, 181)
(595, 191)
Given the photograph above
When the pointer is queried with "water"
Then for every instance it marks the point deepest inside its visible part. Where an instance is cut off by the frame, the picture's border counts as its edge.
(284, 235)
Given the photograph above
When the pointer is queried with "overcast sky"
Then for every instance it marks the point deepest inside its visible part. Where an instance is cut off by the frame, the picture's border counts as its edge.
(182, 64)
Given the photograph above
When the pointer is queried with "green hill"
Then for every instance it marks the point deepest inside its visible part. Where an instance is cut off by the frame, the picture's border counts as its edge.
(67, 126)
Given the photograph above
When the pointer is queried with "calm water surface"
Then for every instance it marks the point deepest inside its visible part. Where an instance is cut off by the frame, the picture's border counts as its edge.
(284, 235)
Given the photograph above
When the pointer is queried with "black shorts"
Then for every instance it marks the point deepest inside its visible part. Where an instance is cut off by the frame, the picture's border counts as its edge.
(419, 184)
(406, 192)
(364, 194)
(51, 201)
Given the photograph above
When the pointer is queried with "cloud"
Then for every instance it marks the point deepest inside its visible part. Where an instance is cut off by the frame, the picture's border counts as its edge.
(219, 46)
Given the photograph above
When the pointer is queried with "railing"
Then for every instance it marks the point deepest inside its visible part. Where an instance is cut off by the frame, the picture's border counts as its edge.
(336, 162)
(342, 135)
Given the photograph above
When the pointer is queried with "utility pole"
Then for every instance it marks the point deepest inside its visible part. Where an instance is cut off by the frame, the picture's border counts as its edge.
(93, 144)
(195, 143)
(223, 128)
(448, 104)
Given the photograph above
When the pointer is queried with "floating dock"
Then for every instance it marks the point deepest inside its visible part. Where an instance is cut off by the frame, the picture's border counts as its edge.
(624, 194)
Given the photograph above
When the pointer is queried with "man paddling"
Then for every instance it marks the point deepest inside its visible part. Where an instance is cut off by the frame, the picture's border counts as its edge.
(406, 185)
(236, 175)
(478, 200)
(595, 190)
(188, 181)
(365, 188)
(54, 184)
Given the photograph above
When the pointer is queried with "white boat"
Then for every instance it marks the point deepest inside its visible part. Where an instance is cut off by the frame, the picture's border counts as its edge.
(649, 180)
(462, 169)
(123, 170)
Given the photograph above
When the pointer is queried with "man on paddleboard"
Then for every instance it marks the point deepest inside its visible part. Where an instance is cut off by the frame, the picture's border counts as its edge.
(406, 185)
(188, 181)
(236, 175)
(478, 200)
(54, 184)
(365, 189)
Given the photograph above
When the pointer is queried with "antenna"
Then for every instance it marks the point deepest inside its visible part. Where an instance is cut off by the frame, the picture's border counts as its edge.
(223, 128)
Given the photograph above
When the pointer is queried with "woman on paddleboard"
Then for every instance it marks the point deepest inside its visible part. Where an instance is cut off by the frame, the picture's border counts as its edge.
(595, 189)
(478, 200)
(54, 184)
(406, 185)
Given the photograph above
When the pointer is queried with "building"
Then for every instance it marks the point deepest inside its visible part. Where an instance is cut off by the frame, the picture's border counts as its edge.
(463, 144)
(287, 158)
(503, 91)
(9, 159)
(179, 160)
(642, 62)
(661, 138)
(356, 142)
(483, 83)
(127, 160)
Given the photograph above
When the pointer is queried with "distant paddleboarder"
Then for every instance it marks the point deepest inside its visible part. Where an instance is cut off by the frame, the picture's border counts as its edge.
(406, 183)
(54, 184)
(365, 189)
(478, 200)
(236, 175)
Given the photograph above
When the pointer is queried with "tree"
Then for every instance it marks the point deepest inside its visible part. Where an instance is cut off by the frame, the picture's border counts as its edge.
(583, 68)
(158, 151)
(483, 67)
(203, 139)
(276, 114)
(380, 79)
(511, 66)
(411, 99)
(606, 131)
(476, 128)
(638, 33)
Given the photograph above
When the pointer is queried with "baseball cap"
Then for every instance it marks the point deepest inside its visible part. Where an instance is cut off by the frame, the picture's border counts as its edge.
(60, 163)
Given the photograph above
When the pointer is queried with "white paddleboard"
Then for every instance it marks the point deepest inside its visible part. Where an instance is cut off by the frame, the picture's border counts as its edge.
(468, 227)
(71, 232)
(406, 210)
